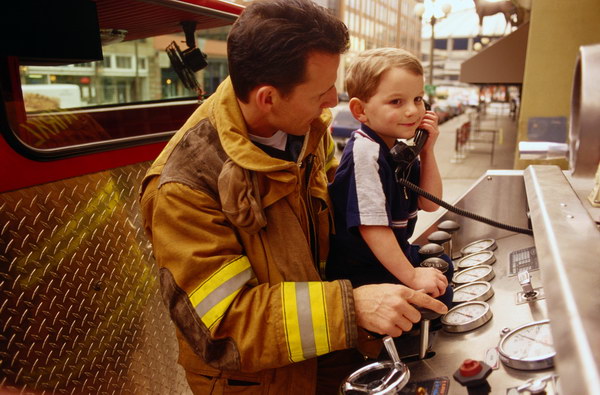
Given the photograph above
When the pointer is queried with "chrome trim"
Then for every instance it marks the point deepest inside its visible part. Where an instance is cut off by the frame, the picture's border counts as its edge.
(568, 247)
(523, 364)
(476, 323)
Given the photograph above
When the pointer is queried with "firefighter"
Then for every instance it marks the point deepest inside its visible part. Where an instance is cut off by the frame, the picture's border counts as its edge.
(236, 207)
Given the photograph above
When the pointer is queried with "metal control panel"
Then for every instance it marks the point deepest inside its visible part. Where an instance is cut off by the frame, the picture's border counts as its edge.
(537, 307)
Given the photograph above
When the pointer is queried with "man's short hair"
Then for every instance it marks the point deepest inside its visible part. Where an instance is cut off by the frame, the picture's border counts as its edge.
(271, 40)
(364, 74)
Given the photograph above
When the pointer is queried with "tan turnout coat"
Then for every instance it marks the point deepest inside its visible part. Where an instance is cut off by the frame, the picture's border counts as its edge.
(239, 265)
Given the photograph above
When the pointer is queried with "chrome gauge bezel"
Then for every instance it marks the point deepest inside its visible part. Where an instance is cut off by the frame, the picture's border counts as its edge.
(487, 294)
(466, 250)
(541, 362)
(464, 262)
(467, 325)
(486, 277)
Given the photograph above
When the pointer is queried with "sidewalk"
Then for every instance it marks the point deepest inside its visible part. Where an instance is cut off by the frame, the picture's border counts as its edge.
(459, 175)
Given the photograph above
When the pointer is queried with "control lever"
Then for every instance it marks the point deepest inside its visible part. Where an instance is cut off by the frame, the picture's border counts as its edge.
(430, 250)
(426, 317)
(450, 227)
(442, 238)
(390, 346)
(379, 377)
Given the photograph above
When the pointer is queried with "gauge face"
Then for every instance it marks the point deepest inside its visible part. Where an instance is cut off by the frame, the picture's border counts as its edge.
(476, 258)
(475, 273)
(479, 245)
(528, 347)
(477, 290)
(466, 316)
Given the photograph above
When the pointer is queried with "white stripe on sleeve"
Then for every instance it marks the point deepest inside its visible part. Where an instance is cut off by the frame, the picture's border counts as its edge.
(371, 199)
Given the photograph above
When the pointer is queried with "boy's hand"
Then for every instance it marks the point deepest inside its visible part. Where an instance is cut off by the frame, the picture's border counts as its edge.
(431, 280)
(430, 123)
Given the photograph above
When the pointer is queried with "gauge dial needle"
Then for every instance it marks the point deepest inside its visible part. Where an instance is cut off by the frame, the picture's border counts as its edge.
(466, 315)
(535, 340)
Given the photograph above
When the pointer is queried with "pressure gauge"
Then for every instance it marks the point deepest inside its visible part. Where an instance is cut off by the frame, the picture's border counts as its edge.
(528, 347)
(476, 258)
(475, 273)
(466, 316)
(477, 290)
(479, 245)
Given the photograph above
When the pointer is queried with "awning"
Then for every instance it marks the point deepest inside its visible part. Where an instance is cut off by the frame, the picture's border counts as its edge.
(501, 63)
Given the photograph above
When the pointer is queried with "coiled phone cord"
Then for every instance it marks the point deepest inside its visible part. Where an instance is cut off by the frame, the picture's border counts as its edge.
(460, 211)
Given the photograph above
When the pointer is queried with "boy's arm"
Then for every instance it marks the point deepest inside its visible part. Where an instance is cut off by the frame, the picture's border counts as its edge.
(383, 244)
(430, 179)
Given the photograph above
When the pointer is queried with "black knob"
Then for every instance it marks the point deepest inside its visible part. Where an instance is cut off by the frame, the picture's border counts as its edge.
(427, 314)
(431, 250)
(449, 226)
(439, 237)
(436, 263)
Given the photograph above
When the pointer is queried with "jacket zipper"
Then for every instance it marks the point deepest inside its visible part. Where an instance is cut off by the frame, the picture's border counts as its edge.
(314, 243)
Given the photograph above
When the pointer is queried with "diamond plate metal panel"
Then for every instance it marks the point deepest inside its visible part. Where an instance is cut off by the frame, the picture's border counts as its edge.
(80, 307)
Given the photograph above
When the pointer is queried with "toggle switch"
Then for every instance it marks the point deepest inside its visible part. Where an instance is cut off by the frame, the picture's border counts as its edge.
(528, 293)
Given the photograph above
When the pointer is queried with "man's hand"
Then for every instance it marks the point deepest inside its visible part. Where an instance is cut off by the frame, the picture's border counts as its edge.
(387, 308)
(431, 280)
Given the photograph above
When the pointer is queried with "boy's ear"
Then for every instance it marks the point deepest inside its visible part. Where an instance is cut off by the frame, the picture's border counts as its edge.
(357, 109)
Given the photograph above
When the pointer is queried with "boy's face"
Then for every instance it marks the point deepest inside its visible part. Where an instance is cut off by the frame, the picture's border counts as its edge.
(396, 108)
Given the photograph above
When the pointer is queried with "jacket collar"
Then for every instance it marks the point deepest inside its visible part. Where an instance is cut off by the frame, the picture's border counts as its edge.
(226, 115)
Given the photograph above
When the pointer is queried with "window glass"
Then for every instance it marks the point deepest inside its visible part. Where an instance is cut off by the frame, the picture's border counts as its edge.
(133, 91)
(460, 44)
(441, 43)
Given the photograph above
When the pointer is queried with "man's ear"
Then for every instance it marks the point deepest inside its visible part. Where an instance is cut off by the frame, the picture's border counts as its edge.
(357, 109)
(263, 96)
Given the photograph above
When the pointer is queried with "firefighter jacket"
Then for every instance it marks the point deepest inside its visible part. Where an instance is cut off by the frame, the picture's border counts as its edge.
(239, 237)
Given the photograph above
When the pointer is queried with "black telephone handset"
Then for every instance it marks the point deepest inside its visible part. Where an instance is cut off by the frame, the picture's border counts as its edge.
(405, 154)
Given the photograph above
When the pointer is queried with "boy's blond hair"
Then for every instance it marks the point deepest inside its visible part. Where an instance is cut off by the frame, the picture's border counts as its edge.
(363, 75)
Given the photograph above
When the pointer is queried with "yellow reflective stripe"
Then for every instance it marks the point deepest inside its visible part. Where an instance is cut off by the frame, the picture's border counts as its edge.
(291, 324)
(305, 320)
(319, 317)
(212, 298)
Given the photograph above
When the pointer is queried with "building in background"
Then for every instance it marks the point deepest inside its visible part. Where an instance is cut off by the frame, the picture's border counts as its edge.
(459, 37)
(378, 23)
(373, 24)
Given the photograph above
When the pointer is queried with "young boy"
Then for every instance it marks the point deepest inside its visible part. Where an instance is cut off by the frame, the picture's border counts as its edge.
(374, 215)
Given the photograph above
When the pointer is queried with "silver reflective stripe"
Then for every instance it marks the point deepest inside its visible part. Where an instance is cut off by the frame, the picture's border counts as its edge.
(234, 284)
(305, 322)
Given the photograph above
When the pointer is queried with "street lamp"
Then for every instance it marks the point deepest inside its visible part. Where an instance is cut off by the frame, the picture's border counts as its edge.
(429, 13)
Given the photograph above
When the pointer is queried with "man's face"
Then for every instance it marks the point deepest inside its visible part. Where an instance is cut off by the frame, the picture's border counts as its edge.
(295, 112)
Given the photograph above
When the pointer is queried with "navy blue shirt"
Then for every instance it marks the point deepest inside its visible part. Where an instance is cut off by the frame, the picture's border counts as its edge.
(365, 192)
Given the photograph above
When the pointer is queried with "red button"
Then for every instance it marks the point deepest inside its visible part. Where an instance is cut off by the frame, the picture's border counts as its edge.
(470, 368)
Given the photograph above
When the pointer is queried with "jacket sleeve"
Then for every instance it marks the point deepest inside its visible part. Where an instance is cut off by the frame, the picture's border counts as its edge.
(214, 298)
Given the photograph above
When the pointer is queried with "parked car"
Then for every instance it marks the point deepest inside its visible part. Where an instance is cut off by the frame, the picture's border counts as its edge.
(343, 123)
(442, 112)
